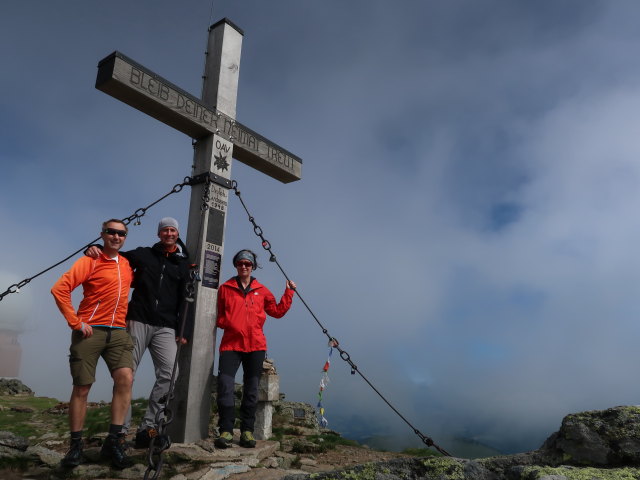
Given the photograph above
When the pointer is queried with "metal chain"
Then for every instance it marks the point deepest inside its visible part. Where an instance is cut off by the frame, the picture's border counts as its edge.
(137, 215)
(343, 354)
(204, 206)
(205, 195)
(162, 441)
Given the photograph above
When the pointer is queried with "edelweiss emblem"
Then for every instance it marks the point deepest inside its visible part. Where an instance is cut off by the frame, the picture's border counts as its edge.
(221, 162)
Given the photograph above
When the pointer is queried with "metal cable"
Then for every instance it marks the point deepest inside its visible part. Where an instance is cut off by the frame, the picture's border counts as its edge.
(139, 213)
(343, 354)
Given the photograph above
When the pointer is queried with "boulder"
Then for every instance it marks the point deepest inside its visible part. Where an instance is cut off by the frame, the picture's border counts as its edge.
(12, 441)
(13, 386)
(599, 438)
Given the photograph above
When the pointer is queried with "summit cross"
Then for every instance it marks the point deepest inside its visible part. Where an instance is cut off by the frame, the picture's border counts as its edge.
(210, 121)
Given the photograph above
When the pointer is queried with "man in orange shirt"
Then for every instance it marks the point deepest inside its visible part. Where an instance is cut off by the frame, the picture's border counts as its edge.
(99, 330)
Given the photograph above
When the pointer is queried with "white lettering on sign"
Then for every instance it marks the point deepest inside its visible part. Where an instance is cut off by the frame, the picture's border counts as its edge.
(218, 198)
(214, 248)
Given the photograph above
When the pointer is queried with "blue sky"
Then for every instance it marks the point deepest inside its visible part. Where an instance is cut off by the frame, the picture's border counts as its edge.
(465, 225)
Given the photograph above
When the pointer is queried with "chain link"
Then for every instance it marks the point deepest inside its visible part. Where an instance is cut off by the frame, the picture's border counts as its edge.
(206, 199)
(343, 354)
(137, 215)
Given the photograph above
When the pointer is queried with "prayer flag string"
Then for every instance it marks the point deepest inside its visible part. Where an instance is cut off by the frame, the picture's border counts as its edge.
(324, 381)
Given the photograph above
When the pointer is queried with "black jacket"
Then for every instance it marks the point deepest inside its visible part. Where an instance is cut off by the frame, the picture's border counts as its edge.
(159, 285)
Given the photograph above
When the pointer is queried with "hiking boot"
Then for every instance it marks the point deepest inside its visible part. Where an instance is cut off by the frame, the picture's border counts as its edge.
(114, 449)
(143, 437)
(73, 458)
(224, 440)
(247, 440)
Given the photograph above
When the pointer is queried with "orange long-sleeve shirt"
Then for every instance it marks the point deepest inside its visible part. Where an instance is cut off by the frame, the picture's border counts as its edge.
(106, 285)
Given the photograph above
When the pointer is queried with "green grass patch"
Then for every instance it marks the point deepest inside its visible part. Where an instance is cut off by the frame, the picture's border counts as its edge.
(421, 452)
(37, 403)
(37, 420)
(306, 447)
(277, 434)
(32, 422)
(138, 407)
(331, 440)
(97, 420)
(321, 443)
(16, 422)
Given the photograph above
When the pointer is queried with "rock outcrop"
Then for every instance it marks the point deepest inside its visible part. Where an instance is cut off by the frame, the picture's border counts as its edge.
(13, 386)
(607, 438)
(589, 445)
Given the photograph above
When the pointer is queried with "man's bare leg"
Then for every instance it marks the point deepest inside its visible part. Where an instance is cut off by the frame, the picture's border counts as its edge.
(122, 383)
(78, 407)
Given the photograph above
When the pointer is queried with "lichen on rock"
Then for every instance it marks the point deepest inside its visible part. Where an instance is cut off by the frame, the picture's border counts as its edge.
(609, 438)
(576, 473)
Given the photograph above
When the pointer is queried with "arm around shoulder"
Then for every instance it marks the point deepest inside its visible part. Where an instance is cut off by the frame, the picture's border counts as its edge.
(133, 256)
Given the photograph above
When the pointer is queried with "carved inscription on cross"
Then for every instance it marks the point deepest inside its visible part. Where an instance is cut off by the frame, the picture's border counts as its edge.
(126, 80)
(219, 138)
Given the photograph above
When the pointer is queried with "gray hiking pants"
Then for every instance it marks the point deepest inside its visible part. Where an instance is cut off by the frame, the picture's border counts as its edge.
(161, 342)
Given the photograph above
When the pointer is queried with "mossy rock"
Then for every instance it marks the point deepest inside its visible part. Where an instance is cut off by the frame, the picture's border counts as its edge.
(599, 438)
(574, 473)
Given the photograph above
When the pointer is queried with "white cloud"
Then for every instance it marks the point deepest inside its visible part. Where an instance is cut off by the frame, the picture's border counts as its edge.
(465, 224)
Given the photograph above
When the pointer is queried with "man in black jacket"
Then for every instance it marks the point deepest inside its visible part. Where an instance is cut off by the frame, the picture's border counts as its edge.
(160, 276)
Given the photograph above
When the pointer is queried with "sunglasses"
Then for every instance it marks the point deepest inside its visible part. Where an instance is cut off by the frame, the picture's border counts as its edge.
(244, 264)
(113, 231)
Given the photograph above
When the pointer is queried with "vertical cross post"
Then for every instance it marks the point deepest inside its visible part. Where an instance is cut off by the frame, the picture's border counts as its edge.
(205, 235)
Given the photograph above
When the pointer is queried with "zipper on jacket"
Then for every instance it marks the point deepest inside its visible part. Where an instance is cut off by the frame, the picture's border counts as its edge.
(113, 316)
(160, 285)
(94, 312)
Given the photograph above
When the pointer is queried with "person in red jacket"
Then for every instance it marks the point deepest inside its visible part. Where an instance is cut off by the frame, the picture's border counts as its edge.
(243, 306)
(98, 330)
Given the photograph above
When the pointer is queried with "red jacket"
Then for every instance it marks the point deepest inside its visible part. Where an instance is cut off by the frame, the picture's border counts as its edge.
(106, 292)
(242, 316)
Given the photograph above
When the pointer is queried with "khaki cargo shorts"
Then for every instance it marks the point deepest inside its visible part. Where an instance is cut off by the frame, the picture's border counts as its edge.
(112, 344)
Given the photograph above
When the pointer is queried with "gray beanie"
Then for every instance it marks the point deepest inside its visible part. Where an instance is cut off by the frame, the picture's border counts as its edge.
(168, 222)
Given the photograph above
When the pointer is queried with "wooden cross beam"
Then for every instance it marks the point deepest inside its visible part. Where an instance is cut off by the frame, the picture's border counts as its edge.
(139, 87)
(211, 122)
